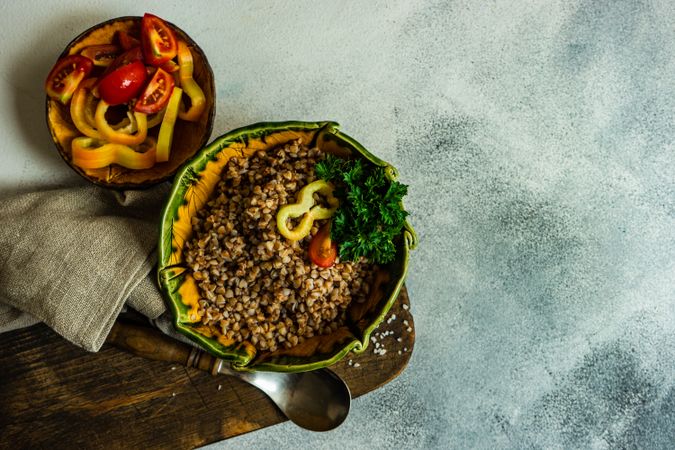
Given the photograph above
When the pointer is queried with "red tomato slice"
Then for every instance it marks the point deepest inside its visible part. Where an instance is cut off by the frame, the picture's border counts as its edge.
(323, 251)
(101, 55)
(123, 83)
(156, 94)
(127, 41)
(66, 75)
(131, 55)
(157, 40)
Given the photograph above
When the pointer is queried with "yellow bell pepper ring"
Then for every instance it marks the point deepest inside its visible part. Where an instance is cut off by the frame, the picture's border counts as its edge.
(197, 101)
(189, 85)
(118, 136)
(305, 207)
(127, 125)
(78, 110)
(185, 62)
(165, 136)
(89, 153)
(156, 118)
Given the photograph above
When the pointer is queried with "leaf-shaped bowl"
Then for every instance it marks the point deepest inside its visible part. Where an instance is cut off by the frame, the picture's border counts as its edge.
(192, 188)
(188, 137)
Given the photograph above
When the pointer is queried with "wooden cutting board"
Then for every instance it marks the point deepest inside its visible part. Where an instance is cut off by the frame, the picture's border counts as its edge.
(56, 395)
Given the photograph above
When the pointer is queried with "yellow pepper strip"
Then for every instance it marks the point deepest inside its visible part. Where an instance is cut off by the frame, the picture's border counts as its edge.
(91, 153)
(186, 65)
(305, 207)
(170, 66)
(82, 113)
(90, 106)
(78, 110)
(189, 85)
(119, 137)
(168, 122)
(127, 125)
(156, 119)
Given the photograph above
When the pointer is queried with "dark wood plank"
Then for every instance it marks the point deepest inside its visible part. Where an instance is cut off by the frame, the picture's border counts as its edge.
(55, 395)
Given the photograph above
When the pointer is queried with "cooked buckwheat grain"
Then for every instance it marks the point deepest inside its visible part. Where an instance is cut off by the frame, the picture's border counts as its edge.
(254, 284)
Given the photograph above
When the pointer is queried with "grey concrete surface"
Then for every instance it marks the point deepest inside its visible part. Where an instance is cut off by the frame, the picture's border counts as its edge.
(537, 140)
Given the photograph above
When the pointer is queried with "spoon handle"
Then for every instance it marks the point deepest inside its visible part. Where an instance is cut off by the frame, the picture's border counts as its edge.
(151, 344)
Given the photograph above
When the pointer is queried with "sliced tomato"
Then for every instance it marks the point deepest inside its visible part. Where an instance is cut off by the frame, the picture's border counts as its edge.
(123, 83)
(101, 55)
(127, 41)
(322, 250)
(157, 40)
(156, 94)
(131, 55)
(66, 75)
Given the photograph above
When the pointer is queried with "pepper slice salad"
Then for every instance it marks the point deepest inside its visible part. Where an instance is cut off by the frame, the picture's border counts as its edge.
(117, 91)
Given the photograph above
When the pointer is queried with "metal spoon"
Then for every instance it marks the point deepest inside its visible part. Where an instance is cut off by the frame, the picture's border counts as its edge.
(318, 400)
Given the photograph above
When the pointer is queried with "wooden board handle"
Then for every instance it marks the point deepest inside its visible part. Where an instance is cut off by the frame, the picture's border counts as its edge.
(151, 344)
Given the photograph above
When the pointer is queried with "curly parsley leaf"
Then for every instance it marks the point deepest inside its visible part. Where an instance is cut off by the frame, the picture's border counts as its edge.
(330, 168)
(370, 215)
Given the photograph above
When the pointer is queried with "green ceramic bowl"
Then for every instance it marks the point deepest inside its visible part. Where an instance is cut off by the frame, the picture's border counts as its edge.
(192, 187)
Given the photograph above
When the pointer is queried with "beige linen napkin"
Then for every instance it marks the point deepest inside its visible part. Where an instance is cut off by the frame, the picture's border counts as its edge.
(72, 257)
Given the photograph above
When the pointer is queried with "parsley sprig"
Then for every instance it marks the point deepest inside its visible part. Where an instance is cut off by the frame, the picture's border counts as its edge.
(370, 215)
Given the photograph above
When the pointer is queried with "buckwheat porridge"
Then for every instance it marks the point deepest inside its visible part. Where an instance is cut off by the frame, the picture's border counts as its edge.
(256, 285)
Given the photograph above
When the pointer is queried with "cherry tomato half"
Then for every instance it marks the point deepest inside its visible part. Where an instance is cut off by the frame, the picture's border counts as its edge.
(157, 40)
(66, 75)
(127, 41)
(323, 251)
(129, 56)
(156, 94)
(123, 83)
(101, 55)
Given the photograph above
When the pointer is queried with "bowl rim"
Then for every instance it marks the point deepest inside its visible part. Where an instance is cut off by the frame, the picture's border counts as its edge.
(176, 198)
